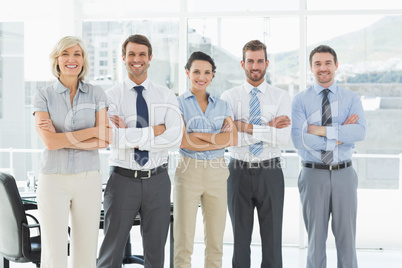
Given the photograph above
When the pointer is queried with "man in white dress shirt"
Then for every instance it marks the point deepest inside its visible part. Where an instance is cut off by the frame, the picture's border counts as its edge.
(147, 124)
(262, 116)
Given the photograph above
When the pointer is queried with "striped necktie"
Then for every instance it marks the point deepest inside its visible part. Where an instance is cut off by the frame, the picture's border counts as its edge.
(255, 119)
(326, 119)
(141, 157)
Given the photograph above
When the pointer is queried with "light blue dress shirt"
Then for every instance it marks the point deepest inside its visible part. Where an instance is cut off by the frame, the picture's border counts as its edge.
(196, 121)
(55, 100)
(306, 110)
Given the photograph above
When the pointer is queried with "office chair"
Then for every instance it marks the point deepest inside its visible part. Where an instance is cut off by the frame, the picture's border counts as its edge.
(15, 242)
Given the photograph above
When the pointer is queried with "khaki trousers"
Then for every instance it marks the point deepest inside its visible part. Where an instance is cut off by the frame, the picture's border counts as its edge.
(75, 196)
(195, 182)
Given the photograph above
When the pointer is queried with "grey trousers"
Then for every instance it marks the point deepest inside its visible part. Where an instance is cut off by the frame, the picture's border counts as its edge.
(124, 199)
(261, 188)
(323, 194)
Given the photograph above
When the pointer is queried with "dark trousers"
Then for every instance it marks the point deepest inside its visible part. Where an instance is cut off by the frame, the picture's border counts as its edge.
(124, 199)
(261, 188)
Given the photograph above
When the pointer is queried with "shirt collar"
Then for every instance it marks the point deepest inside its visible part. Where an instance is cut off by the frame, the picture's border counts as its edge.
(318, 88)
(130, 83)
(262, 87)
(60, 88)
(189, 94)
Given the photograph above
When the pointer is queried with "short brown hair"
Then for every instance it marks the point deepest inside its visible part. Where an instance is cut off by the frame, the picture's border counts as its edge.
(137, 39)
(254, 45)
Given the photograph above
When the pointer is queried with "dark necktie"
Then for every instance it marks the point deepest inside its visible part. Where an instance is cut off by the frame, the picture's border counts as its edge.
(141, 157)
(326, 119)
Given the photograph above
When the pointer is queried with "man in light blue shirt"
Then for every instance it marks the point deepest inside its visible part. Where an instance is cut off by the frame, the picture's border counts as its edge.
(327, 120)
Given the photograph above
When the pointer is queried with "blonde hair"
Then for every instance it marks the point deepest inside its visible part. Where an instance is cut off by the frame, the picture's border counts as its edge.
(63, 44)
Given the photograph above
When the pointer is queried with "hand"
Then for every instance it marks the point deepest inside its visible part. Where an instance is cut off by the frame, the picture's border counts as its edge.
(117, 121)
(159, 129)
(105, 133)
(47, 124)
(316, 130)
(280, 122)
(352, 119)
(227, 128)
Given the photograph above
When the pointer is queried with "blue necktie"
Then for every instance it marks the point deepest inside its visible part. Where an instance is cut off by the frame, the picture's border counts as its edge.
(255, 119)
(141, 157)
(326, 120)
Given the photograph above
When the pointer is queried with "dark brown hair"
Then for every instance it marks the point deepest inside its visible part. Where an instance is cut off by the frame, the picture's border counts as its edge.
(137, 39)
(323, 49)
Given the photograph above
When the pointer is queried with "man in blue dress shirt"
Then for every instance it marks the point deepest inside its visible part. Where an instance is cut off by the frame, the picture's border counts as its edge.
(327, 120)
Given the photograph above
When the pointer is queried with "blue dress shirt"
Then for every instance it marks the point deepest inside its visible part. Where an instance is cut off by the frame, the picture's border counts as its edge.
(55, 100)
(306, 110)
(196, 121)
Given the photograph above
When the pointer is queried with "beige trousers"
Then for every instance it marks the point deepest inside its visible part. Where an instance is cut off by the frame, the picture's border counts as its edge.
(195, 182)
(76, 197)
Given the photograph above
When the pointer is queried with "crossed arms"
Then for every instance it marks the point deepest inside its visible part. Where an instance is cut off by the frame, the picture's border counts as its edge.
(307, 136)
(275, 132)
(86, 139)
(199, 141)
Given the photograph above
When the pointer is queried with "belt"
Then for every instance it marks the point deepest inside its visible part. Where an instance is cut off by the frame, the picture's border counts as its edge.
(138, 174)
(327, 167)
(270, 163)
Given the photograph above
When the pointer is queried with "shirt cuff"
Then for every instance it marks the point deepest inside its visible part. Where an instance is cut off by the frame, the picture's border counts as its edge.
(131, 137)
(259, 132)
(331, 144)
(147, 139)
(331, 133)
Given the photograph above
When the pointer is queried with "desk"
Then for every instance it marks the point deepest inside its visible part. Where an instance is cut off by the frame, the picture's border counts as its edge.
(29, 199)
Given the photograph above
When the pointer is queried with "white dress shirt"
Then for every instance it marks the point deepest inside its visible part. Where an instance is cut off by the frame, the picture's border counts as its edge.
(274, 102)
(162, 109)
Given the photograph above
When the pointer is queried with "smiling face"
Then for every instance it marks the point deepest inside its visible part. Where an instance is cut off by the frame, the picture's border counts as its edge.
(137, 62)
(323, 67)
(70, 62)
(200, 75)
(255, 66)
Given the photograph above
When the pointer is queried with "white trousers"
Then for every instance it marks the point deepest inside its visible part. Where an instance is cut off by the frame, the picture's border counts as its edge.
(76, 197)
(195, 182)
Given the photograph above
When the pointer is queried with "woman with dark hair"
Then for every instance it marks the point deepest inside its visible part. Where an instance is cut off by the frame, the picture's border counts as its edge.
(202, 173)
(70, 118)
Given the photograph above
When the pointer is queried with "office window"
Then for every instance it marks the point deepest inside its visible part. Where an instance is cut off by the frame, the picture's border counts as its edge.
(1, 79)
(126, 8)
(223, 39)
(353, 5)
(240, 5)
(14, 126)
(163, 35)
(370, 63)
